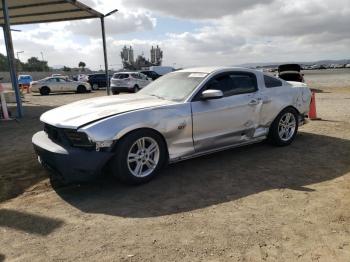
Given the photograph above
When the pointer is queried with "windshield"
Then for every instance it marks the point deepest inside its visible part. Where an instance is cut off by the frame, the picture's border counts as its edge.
(175, 86)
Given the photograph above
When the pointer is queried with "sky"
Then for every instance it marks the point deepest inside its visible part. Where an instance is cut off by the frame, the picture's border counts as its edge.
(196, 32)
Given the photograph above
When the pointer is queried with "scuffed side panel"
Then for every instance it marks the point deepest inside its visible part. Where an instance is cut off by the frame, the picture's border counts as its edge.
(174, 122)
(282, 97)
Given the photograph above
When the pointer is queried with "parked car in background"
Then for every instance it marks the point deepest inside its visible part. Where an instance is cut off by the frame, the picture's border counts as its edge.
(181, 115)
(81, 77)
(150, 74)
(128, 82)
(97, 81)
(290, 72)
(59, 84)
(24, 80)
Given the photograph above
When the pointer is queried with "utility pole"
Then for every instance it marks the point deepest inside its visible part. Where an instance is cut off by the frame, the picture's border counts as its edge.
(42, 59)
(105, 48)
(19, 52)
(18, 61)
(11, 56)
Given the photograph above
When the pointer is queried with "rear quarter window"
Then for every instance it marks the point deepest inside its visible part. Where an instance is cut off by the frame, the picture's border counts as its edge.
(271, 82)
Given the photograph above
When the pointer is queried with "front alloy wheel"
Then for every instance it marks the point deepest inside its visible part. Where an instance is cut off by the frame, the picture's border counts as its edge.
(143, 157)
(139, 156)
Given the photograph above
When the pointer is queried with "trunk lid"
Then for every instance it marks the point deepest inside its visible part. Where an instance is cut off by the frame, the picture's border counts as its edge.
(289, 67)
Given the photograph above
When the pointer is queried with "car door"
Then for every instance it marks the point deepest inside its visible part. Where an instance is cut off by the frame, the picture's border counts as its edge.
(230, 119)
(62, 84)
(54, 84)
(142, 80)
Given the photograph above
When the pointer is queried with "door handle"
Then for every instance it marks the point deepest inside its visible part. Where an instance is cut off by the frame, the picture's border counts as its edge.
(254, 101)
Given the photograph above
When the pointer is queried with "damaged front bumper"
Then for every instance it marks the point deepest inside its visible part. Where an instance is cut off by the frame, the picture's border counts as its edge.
(69, 163)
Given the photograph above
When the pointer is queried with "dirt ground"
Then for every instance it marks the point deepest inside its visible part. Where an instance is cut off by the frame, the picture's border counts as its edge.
(257, 203)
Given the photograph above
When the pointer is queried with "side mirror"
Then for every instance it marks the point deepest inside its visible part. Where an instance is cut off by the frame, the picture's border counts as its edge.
(211, 94)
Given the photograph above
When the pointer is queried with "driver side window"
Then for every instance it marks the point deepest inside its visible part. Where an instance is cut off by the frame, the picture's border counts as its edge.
(234, 83)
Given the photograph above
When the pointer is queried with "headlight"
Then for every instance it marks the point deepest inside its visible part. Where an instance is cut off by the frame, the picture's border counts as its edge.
(79, 139)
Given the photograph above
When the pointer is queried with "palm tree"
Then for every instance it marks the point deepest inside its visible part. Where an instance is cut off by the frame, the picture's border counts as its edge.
(82, 66)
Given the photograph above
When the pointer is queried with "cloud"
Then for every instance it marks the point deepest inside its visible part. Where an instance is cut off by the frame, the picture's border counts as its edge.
(122, 23)
(227, 32)
(194, 9)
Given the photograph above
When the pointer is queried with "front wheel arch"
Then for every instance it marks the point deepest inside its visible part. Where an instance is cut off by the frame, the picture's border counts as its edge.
(115, 146)
(119, 168)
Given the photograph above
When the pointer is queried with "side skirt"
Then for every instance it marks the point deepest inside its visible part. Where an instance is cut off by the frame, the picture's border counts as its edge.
(203, 153)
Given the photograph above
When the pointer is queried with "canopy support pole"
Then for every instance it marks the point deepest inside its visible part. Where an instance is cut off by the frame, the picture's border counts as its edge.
(105, 54)
(11, 57)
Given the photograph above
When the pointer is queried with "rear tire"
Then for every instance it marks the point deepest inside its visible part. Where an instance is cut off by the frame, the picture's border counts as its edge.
(284, 128)
(45, 91)
(136, 88)
(139, 157)
(115, 92)
(81, 89)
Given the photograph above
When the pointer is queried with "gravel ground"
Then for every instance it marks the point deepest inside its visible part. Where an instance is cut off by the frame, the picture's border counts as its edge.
(248, 204)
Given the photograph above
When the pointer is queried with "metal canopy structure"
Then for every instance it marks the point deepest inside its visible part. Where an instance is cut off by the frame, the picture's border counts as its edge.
(19, 12)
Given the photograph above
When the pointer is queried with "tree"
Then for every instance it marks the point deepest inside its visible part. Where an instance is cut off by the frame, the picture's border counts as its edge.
(82, 66)
(34, 64)
(3, 63)
(66, 69)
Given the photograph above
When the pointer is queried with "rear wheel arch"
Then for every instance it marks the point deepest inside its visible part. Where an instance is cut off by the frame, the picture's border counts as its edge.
(291, 107)
(284, 108)
(273, 129)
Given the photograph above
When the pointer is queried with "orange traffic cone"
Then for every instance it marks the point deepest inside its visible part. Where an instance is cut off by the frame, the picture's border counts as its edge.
(312, 111)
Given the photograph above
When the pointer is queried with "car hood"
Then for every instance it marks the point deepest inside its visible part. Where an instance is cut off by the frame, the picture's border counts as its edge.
(83, 112)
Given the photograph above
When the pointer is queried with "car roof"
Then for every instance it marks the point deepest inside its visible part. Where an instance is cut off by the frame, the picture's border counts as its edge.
(215, 69)
(126, 72)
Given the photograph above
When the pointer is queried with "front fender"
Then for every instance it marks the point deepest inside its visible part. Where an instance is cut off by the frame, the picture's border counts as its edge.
(173, 122)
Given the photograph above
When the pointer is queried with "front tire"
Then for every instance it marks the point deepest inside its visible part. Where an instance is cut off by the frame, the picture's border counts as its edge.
(284, 128)
(139, 157)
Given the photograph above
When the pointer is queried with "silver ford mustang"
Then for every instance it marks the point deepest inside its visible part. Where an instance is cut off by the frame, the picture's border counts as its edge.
(181, 115)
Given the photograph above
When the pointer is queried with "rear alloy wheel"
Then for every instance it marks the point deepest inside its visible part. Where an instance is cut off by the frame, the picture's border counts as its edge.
(44, 91)
(285, 127)
(136, 88)
(94, 87)
(139, 157)
(81, 89)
